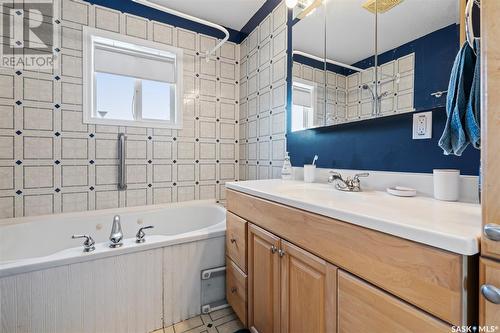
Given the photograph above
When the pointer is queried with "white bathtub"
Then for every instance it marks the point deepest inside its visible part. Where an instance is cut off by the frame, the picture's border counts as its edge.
(47, 282)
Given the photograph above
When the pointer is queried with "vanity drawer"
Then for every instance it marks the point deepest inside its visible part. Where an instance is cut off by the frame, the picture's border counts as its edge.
(424, 276)
(236, 290)
(236, 240)
(364, 308)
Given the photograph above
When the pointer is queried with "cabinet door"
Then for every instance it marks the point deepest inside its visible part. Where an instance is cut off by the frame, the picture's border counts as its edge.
(263, 281)
(489, 300)
(308, 292)
(364, 308)
(490, 121)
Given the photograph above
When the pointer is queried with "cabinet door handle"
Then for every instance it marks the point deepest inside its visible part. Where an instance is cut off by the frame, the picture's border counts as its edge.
(274, 249)
(233, 290)
(491, 293)
(492, 231)
(281, 253)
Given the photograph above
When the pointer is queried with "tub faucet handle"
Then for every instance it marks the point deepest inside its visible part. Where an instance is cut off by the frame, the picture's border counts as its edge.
(140, 237)
(88, 243)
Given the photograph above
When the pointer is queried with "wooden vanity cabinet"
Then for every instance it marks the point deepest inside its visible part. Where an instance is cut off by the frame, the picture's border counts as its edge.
(489, 300)
(294, 284)
(289, 289)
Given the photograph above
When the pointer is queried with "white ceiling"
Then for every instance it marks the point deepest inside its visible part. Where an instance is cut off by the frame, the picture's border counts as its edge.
(229, 13)
(350, 28)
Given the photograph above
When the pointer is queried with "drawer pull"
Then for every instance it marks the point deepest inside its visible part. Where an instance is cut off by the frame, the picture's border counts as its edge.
(491, 293)
(274, 249)
(492, 231)
(281, 253)
(233, 290)
(233, 240)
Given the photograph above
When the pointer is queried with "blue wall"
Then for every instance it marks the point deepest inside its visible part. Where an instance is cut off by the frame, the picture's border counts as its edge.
(386, 144)
(383, 144)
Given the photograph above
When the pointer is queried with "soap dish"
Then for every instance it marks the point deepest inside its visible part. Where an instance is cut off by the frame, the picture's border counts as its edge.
(401, 191)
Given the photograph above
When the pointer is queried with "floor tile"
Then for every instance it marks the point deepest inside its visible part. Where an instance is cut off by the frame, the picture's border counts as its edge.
(188, 325)
(230, 326)
(220, 313)
(220, 321)
(159, 331)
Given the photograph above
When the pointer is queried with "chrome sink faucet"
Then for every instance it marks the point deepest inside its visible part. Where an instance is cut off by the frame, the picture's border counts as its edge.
(349, 184)
(116, 235)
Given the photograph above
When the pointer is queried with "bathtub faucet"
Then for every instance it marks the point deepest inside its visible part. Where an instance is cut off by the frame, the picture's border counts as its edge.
(116, 235)
(140, 236)
(88, 244)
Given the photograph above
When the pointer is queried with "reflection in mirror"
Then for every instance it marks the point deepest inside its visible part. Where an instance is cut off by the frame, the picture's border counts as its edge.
(308, 83)
(412, 43)
(350, 50)
(417, 44)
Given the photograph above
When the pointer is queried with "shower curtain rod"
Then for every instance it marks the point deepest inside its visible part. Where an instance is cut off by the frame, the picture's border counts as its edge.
(191, 18)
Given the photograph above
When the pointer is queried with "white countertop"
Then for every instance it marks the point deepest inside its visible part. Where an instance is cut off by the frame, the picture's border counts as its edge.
(452, 226)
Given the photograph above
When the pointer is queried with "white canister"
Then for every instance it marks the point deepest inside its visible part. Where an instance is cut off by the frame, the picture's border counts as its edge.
(446, 184)
(309, 173)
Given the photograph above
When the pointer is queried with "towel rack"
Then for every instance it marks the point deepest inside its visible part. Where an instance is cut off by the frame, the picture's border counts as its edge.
(438, 94)
(469, 28)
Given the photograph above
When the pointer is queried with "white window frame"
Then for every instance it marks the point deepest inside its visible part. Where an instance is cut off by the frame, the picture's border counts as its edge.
(307, 113)
(89, 83)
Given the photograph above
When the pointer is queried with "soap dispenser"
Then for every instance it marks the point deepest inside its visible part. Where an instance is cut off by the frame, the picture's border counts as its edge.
(287, 171)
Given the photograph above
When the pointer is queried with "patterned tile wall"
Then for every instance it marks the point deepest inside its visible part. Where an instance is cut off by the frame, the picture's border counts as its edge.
(263, 91)
(51, 162)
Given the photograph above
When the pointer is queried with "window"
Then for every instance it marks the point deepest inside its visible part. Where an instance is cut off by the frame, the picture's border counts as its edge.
(131, 82)
(302, 105)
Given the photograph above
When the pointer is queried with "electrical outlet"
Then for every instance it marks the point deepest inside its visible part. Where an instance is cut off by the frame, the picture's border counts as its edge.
(422, 125)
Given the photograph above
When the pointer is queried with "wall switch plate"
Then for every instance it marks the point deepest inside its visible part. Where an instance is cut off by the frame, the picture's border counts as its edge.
(422, 125)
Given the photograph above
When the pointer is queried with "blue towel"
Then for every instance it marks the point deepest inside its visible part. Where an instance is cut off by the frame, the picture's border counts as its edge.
(473, 112)
(454, 140)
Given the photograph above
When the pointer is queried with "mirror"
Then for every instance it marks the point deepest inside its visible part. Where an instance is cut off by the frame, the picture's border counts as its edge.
(413, 44)
(309, 76)
(417, 44)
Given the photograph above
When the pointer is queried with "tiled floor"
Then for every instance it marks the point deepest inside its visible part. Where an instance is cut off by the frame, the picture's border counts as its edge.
(220, 321)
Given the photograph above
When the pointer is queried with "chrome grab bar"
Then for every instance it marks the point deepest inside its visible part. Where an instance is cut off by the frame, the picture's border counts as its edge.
(122, 176)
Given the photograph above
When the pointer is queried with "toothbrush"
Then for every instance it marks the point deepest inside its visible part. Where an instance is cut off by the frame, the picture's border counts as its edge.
(315, 159)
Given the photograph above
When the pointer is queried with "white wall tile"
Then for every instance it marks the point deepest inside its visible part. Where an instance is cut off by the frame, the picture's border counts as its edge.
(76, 163)
(38, 176)
(75, 202)
(107, 19)
(6, 116)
